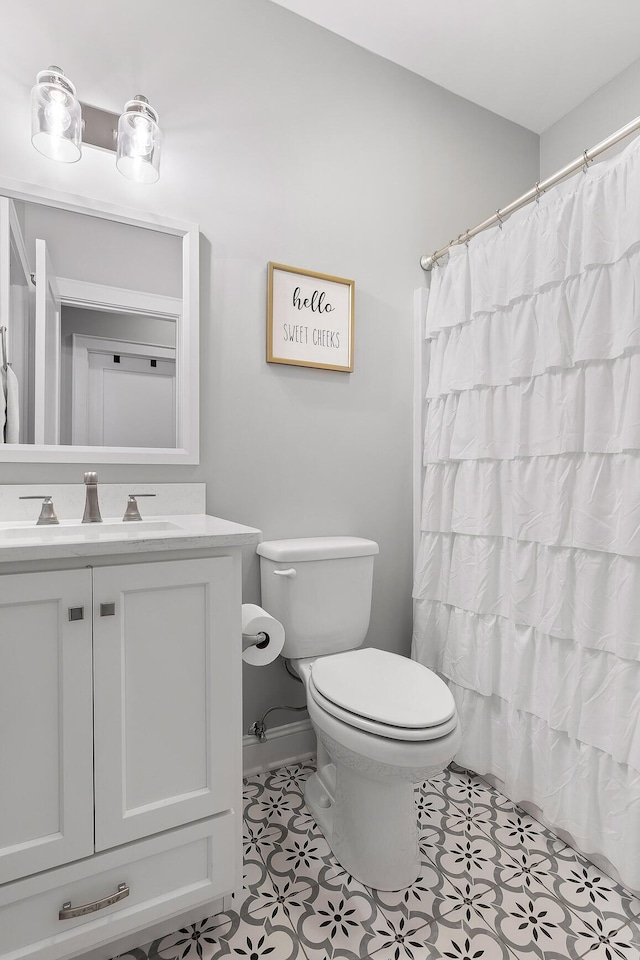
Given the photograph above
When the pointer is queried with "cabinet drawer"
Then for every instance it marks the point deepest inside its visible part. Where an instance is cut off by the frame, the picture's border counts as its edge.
(165, 875)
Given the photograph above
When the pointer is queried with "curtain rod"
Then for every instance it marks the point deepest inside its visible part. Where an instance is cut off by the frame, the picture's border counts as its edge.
(541, 187)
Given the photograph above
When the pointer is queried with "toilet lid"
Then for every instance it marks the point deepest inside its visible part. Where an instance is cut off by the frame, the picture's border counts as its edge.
(384, 687)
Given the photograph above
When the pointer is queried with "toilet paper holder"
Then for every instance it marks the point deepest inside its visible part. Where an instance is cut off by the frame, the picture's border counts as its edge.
(259, 640)
(262, 636)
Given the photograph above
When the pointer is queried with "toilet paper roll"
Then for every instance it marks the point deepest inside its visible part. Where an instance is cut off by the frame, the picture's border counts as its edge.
(256, 620)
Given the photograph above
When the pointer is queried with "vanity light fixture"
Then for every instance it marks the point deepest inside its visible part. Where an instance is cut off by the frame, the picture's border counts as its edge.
(56, 117)
(139, 139)
(60, 124)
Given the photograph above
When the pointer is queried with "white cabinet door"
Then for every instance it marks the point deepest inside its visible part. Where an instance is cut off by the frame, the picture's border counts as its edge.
(167, 647)
(46, 744)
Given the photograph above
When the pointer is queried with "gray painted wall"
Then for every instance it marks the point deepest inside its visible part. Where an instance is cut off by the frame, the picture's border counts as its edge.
(106, 252)
(117, 326)
(285, 143)
(604, 112)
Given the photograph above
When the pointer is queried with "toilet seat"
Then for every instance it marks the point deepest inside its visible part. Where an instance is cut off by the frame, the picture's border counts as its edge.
(386, 730)
(384, 694)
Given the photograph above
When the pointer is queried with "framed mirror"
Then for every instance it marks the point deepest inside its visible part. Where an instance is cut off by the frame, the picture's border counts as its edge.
(99, 332)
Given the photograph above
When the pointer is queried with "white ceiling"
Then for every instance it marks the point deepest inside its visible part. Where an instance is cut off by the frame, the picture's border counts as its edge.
(531, 61)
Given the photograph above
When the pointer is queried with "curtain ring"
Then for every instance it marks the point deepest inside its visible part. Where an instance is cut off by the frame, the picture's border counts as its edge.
(587, 161)
(538, 191)
(466, 237)
(500, 218)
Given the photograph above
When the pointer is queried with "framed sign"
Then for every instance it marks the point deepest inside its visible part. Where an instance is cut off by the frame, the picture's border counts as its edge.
(309, 319)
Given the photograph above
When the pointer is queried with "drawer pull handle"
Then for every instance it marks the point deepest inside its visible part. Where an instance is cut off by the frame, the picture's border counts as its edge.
(107, 609)
(76, 613)
(68, 912)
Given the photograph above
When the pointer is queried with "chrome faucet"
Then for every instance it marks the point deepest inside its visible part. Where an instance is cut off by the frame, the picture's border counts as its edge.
(91, 505)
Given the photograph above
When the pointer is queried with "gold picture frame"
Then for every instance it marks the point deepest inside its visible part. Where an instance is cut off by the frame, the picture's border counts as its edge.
(310, 318)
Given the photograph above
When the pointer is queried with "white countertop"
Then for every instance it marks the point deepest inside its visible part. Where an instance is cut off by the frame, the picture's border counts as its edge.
(27, 541)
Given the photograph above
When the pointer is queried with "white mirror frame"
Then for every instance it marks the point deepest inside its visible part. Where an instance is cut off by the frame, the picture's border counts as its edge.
(187, 340)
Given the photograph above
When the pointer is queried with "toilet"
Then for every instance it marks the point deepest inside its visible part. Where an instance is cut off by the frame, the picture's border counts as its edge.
(383, 722)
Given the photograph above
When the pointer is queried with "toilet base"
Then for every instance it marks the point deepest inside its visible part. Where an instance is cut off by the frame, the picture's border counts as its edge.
(374, 848)
(363, 800)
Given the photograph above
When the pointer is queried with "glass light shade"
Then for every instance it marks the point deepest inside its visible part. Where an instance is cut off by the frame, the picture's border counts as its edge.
(139, 141)
(56, 117)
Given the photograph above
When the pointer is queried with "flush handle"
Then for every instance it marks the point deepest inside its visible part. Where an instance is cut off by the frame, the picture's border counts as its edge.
(291, 572)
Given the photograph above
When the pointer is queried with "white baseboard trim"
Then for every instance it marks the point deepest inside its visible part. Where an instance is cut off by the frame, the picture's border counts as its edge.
(288, 743)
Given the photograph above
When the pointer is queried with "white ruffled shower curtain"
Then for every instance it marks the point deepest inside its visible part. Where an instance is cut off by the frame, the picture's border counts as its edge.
(527, 579)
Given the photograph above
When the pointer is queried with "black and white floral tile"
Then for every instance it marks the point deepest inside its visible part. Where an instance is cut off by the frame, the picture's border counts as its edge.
(494, 885)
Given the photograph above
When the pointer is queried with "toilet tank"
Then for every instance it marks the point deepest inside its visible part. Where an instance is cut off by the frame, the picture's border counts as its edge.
(320, 590)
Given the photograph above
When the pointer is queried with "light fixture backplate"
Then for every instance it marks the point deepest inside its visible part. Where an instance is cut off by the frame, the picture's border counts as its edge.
(100, 128)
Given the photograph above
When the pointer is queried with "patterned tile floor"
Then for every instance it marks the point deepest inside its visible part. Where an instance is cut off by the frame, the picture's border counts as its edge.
(495, 885)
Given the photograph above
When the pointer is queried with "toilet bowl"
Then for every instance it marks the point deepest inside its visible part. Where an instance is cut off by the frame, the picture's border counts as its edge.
(362, 795)
(382, 722)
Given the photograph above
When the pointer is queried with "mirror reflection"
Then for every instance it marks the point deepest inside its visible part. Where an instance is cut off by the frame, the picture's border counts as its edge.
(89, 313)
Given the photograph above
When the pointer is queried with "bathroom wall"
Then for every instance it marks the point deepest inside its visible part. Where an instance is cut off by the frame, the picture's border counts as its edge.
(117, 326)
(602, 113)
(104, 251)
(285, 143)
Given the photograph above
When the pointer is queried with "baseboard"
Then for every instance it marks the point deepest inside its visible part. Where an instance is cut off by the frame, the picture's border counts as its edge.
(288, 743)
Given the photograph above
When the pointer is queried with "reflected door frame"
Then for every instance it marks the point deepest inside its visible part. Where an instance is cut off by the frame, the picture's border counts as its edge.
(84, 418)
(46, 378)
(18, 336)
(94, 296)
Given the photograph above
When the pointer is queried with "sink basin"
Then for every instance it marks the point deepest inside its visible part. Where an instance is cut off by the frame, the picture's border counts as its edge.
(109, 529)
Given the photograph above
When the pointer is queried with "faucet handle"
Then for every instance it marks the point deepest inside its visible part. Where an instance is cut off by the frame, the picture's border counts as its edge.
(132, 512)
(47, 512)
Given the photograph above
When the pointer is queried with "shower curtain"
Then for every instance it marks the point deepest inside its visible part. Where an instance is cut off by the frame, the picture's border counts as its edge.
(527, 576)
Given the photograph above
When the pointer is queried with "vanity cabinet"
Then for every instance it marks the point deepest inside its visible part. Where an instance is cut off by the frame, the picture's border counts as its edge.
(120, 742)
